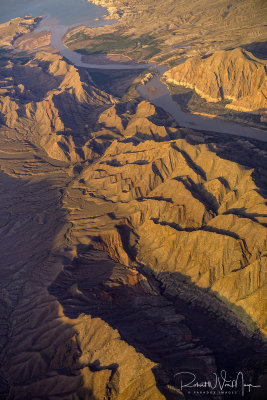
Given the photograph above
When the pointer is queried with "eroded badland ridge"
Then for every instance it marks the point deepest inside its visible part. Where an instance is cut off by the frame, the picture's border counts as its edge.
(131, 248)
(234, 75)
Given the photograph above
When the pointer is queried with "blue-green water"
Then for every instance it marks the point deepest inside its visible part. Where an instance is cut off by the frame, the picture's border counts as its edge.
(66, 12)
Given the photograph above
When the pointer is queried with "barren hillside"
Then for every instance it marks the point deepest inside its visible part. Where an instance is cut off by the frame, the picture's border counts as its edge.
(125, 241)
(235, 75)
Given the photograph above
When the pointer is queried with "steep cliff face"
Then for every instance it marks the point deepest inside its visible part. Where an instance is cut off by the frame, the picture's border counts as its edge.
(234, 75)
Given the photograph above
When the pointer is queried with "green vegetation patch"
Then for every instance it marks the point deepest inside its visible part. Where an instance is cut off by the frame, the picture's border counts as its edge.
(143, 47)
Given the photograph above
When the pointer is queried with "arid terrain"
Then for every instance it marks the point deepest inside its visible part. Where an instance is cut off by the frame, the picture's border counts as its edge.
(180, 28)
(132, 249)
(223, 42)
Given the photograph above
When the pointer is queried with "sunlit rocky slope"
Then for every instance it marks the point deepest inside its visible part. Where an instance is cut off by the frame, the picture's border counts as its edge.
(235, 76)
(131, 249)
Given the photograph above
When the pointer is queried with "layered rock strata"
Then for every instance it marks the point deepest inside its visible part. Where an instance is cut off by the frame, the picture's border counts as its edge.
(235, 75)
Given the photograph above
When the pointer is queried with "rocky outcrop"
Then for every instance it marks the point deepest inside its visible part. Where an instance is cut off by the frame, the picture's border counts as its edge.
(234, 75)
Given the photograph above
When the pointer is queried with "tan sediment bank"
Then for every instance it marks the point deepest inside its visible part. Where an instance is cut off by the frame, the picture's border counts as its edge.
(33, 41)
(205, 114)
(105, 59)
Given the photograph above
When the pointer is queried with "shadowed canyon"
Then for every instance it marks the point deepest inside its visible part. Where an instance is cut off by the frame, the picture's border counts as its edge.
(133, 248)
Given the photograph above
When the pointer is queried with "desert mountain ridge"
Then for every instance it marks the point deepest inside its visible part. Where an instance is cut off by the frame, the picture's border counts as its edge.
(233, 75)
(111, 214)
(131, 249)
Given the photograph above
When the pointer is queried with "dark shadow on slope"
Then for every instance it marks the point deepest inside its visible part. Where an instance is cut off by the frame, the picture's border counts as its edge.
(207, 315)
(249, 153)
(172, 330)
(196, 168)
(258, 49)
(116, 82)
(31, 217)
(205, 228)
(35, 79)
(199, 192)
(79, 118)
(242, 213)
